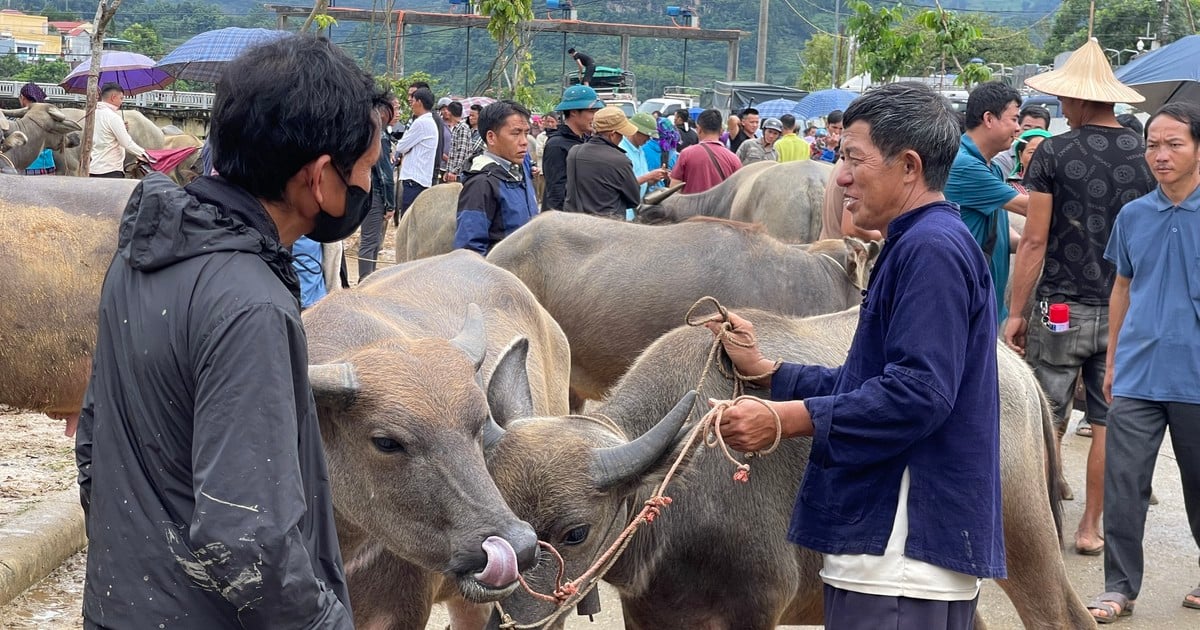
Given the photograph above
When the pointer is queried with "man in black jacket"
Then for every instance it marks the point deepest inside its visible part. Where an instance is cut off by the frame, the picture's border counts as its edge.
(600, 177)
(579, 105)
(201, 471)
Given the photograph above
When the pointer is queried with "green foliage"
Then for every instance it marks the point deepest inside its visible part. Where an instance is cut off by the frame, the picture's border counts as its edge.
(44, 71)
(1118, 24)
(890, 53)
(817, 63)
(973, 74)
(951, 37)
(323, 21)
(10, 66)
(399, 87)
(504, 24)
(144, 40)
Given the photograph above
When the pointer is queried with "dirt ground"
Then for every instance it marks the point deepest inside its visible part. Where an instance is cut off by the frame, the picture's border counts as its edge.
(35, 459)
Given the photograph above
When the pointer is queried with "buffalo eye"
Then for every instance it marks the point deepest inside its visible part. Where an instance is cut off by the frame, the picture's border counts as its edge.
(387, 445)
(577, 535)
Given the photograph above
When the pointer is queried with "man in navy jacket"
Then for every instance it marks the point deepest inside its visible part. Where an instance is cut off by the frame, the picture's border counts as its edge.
(902, 489)
(497, 195)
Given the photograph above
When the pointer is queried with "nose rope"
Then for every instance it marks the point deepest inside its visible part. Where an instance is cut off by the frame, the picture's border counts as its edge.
(566, 595)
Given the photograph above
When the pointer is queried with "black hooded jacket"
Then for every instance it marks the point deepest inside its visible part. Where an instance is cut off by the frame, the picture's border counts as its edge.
(201, 469)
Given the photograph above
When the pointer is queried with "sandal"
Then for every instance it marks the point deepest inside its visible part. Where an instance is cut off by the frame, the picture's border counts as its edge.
(1187, 603)
(1084, 430)
(1113, 605)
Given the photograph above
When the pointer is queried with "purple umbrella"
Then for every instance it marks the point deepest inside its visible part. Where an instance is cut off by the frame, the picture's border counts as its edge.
(135, 73)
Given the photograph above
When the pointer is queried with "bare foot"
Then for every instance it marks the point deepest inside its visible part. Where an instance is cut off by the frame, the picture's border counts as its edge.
(1088, 544)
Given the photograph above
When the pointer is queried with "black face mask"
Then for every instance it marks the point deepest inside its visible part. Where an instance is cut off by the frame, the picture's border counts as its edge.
(330, 229)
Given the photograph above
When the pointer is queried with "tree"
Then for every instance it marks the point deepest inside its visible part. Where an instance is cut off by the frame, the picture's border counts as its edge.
(44, 71)
(10, 66)
(883, 50)
(1118, 24)
(817, 63)
(400, 85)
(144, 40)
(954, 38)
(504, 25)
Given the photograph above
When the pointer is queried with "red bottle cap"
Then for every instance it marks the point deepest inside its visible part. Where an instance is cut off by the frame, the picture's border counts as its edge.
(1060, 314)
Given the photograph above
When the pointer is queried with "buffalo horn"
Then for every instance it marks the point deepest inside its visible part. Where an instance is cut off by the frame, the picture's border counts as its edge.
(14, 113)
(57, 114)
(472, 339)
(334, 385)
(658, 196)
(620, 464)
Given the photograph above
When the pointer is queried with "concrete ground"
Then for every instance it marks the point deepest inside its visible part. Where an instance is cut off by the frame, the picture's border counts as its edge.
(1171, 560)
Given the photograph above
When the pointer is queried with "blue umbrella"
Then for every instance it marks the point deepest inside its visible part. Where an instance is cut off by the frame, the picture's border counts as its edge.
(203, 57)
(135, 73)
(775, 108)
(1165, 75)
(821, 102)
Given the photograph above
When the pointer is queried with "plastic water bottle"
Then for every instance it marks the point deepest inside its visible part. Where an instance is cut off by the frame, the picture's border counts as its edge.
(1059, 318)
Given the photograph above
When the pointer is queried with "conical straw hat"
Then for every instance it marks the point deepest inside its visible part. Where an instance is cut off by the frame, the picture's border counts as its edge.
(1086, 75)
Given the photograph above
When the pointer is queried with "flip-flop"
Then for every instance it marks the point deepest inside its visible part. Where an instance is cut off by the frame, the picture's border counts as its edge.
(1094, 551)
(1105, 601)
(1190, 604)
(1084, 430)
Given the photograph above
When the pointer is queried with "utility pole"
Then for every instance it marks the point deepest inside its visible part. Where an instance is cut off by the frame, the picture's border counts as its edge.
(760, 67)
(837, 43)
(1164, 27)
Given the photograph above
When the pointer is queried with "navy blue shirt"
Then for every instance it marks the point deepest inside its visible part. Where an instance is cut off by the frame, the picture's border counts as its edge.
(919, 390)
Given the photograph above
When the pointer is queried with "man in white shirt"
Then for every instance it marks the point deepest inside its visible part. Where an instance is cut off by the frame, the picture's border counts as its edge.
(111, 140)
(417, 150)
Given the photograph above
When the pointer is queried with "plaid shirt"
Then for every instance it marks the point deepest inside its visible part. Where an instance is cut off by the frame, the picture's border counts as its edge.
(460, 147)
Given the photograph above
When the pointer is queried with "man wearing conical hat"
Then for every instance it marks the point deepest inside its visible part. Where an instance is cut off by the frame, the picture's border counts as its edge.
(1077, 183)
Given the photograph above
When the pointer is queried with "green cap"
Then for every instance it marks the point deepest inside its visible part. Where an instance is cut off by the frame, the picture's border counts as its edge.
(645, 124)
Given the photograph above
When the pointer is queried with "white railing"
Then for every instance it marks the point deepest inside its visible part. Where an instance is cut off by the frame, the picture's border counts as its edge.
(156, 98)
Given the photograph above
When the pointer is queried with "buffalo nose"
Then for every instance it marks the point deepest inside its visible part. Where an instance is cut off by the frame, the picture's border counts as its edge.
(524, 543)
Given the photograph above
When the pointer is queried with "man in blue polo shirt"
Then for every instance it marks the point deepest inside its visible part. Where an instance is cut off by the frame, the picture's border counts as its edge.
(1153, 361)
(978, 187)
(911, 420)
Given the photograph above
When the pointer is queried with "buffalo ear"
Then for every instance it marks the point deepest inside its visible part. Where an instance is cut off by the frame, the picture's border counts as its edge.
(858, 260)
(472, 339)
(509, 394)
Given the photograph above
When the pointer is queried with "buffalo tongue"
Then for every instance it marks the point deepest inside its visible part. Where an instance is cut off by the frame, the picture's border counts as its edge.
(501, 569)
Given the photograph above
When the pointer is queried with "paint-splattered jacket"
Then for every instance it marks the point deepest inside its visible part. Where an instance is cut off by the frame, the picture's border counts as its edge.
(201, 469)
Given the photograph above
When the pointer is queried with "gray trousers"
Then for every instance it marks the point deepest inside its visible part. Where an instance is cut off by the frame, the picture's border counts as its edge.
(1058, 357)
(1135, 433)
(847, 610)
(370, 238)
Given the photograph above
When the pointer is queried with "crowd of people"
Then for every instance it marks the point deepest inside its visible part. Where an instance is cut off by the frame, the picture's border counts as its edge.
(182, 407)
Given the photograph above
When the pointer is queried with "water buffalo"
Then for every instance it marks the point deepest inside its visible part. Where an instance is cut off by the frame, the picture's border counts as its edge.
(44, 125)
(427, 228)
(9, 140)
(785, 198)
(59, 236)
(593, 273)
(717, 556)
(404, 388)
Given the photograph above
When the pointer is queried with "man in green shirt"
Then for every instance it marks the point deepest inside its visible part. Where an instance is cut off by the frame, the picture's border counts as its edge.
(791, 147)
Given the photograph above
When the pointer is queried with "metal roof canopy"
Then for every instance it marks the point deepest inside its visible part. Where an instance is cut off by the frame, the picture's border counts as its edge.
(625, 31)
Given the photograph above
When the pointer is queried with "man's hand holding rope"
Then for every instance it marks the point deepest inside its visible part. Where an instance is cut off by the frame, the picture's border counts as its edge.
(748, 424)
